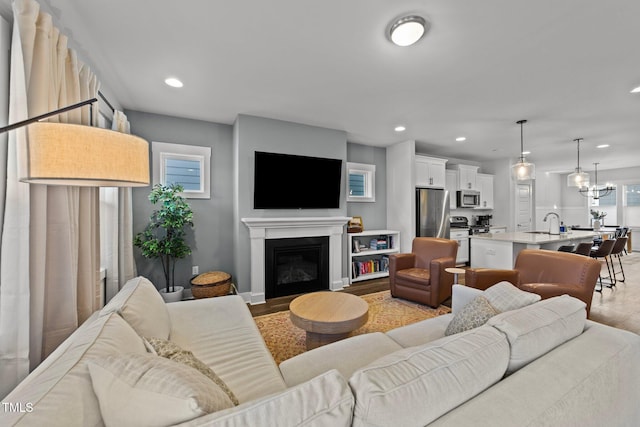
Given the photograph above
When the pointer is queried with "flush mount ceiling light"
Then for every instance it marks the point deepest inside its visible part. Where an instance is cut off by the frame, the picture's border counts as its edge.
(602, 146)
(407, 30)
(523, 170)
(635, 90)
(400, 128)
(461, 139)
(578, 178)
(173, 82)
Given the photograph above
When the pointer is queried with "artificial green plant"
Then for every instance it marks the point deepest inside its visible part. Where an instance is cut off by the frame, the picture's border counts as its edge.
(164, 236)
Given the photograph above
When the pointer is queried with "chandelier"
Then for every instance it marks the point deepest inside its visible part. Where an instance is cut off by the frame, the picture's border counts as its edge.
(596, 192)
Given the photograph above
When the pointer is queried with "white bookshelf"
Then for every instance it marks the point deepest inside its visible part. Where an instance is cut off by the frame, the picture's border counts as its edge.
(367, 263)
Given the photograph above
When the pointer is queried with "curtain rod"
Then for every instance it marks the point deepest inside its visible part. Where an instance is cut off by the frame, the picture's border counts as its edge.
(113, 110)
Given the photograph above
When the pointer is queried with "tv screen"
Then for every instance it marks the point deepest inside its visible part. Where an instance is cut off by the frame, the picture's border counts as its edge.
(285, 181)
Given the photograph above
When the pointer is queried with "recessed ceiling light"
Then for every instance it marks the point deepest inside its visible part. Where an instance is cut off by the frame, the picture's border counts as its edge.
(407, 30)
(400, 128)
(602, 146)
(524, 153)
(635, 90)
(173, 82)
(461, 139)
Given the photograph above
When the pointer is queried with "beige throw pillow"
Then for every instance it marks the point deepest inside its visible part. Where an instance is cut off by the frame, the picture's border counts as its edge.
(471, 316)
(146, 390)
(172, 351)
(504, 296)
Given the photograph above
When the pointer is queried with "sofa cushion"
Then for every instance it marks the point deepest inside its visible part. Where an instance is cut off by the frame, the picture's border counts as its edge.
(173, 351)
(345, 355)
(325, 400)
(536, 329)
(504, 296)
(422, 332)
(416, 385)
(60, 388)
(146, 390)
(141, 305)
(222, 334)
(471, 316)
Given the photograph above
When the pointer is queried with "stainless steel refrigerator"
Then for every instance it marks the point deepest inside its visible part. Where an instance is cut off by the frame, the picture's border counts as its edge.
(432, 213)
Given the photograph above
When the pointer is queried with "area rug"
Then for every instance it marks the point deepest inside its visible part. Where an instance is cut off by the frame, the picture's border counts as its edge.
(286, 340)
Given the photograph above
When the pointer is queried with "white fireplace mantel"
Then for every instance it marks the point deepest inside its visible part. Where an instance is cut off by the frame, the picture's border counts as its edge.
(261, 229)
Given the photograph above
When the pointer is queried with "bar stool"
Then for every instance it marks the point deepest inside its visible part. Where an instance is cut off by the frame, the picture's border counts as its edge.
(566, 248)
(604, 251)
(584, 249)
(618, 248)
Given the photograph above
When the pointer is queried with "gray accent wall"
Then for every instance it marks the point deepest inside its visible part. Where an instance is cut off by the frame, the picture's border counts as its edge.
(212, 237)
(220, 240)
(252, 134)
(374, 214)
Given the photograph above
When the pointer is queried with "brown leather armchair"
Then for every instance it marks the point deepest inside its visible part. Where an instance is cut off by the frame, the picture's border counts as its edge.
(546, 273)
(419, 276)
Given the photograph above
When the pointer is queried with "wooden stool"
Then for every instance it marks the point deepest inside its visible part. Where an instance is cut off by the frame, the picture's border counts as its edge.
(211, 284)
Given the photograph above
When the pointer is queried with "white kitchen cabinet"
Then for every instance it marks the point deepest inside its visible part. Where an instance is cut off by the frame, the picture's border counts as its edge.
(467, 176)
(485, 186)
(430, 172)
(462, 237)
(451, 179)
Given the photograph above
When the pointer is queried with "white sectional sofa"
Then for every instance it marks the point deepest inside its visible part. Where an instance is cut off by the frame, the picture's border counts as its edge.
(541, 365)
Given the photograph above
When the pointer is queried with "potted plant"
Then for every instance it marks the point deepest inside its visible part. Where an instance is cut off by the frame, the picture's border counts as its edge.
(164, 236)
(598, 218)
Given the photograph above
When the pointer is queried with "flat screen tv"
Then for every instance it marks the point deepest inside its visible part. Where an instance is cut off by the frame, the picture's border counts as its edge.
(285, 181)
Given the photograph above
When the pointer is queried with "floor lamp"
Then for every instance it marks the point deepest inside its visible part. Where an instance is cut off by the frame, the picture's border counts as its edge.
(77, 155)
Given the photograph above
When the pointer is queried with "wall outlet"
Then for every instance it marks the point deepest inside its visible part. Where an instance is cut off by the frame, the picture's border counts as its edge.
(195, 269)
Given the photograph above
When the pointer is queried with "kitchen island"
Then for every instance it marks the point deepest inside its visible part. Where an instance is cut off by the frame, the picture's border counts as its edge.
(500, 250)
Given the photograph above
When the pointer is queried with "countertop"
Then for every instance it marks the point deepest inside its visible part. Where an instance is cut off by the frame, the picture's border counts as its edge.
(535, 238)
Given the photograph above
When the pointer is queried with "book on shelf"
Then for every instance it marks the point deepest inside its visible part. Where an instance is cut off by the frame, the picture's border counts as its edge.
(379, 244)
(360, 268)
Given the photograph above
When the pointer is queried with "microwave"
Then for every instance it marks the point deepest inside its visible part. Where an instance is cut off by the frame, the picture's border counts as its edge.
(468, 198)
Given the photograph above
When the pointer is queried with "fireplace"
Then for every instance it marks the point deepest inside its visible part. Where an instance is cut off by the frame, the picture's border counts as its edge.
(262, 230)
(296, 265)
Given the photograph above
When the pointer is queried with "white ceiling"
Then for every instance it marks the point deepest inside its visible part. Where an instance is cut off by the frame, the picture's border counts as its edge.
(567, 66)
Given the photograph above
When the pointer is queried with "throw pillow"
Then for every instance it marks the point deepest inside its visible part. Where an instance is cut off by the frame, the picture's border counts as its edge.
(471, 316)
(146, 390)
(172, 351)
(504, 296)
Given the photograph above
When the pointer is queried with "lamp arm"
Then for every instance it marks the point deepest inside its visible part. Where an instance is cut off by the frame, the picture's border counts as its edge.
(44, 116)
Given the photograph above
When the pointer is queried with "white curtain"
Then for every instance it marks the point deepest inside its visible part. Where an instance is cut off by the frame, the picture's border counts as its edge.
(49, 269)
(116, 219)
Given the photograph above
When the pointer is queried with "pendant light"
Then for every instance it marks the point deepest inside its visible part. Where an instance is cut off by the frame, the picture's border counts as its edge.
(523, 170)
(596, 192)
(578, 178)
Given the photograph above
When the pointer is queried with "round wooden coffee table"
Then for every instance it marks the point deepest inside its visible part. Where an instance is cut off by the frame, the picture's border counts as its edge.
(328, 316)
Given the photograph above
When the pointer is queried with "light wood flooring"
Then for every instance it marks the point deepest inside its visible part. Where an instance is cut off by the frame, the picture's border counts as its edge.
(618, 306)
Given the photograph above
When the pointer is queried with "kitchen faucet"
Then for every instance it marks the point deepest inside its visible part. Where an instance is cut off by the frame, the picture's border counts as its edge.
(554, 223)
